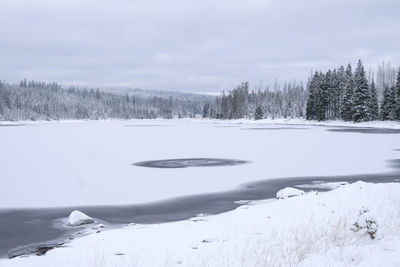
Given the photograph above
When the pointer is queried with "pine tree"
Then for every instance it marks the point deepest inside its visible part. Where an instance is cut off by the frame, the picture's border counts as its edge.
(224, 107)
(310, 108)
(258, 114)
(23, 83)
(331, 87)
(336, 88)
(361, 95)
(321, 97)
(373, 104)
(341, 79)
(398, 96)
(206, 109)
(388, 103)
(347, 106)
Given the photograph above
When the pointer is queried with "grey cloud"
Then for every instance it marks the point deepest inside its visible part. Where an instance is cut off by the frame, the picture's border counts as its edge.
(191, 45)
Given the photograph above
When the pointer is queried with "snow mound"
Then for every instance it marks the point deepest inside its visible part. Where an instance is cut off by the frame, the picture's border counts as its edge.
(77, 218)
(289, 192)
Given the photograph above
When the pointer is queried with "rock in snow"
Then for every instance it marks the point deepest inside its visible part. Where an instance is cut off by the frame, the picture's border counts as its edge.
(77, 218)
(289, 192)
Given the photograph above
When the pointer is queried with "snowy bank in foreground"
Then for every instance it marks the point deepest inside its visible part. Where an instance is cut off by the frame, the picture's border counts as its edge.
(327, 229)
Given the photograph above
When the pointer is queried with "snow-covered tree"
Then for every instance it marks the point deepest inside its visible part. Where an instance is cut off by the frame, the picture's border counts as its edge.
(206, 109)
(259, 113)
(311, 101)
(321, 97)
(239, 103)
(38, 100)
(373, 104)
(346, 111)
(341, 80)
(361, 96)
(397, 117)
(388, 103)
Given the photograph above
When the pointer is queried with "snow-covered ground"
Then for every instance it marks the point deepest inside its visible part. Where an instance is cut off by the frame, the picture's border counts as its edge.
(315, 229)
(90, 162)
(333, 123)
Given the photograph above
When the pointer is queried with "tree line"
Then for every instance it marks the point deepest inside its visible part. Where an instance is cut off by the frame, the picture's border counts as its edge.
(30, 100)
(351, 96)
(286, 102)
(338, 94)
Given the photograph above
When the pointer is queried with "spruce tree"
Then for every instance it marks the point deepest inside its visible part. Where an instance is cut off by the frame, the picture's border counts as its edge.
(332, 93)
(258, 114)
(338, 88)
(398, 96)
(321, 97)
(310, 108)
(347, 106)
(206, 109)
(373, 104)
(341, 79)
(361, 95)
(388, 103)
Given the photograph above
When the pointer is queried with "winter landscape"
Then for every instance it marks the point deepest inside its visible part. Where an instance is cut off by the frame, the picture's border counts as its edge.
(229, 133)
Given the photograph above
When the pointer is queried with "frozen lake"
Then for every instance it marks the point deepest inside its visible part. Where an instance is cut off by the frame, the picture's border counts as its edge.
(117, 171)
(92, 163)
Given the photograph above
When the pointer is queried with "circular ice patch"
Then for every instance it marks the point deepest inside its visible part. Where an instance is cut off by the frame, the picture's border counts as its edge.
(189, 162)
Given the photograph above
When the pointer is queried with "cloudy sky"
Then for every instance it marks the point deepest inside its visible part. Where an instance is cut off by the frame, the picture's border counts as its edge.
(191, 45)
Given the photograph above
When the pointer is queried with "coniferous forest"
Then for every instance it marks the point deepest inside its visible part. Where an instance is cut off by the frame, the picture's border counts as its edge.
(338, 94)
(286, 102)
(350, 96)
(49, 101)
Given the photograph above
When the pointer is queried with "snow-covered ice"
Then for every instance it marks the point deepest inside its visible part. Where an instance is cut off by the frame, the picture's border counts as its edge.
(289, 192)
(93, 159)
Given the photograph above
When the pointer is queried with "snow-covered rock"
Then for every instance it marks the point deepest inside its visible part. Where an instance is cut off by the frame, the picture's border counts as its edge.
(289, 192)
(77, 218)
(366, 222)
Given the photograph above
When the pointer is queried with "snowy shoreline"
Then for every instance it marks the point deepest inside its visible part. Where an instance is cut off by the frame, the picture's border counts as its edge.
(335, 123)
(278, 121)
(314, 230)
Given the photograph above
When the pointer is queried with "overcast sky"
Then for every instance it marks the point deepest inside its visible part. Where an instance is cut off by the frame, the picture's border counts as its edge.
(191, 45)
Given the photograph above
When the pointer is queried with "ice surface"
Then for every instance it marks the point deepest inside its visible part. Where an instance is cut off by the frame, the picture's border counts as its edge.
(92, 160)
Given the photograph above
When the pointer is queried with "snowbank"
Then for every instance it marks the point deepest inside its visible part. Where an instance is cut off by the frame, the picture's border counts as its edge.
(289, 192)
(310, 230)
(77, 218)
(335, 123)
